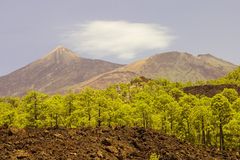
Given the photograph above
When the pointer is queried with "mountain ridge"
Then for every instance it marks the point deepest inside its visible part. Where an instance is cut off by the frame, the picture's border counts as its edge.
(59, 68)
(62, 70)
(174, 66)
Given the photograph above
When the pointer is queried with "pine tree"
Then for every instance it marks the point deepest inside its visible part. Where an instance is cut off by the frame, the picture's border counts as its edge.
(222, 111)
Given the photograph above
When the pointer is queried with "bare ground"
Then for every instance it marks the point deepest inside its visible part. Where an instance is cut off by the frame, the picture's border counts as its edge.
(98, 143)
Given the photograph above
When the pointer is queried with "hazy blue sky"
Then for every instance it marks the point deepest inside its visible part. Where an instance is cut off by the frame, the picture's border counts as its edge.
(117, 30)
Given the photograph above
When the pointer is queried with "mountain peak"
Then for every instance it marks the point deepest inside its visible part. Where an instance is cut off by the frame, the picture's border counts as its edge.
(205, 55)
(61, 54)
(172, 54)
(218, 62)
(59, 46)
(58, 69)
(61, 50)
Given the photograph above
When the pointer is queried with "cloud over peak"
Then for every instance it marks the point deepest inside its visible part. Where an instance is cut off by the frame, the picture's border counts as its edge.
(120, 39)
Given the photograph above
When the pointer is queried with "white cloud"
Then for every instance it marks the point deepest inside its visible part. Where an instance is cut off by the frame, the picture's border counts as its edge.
(120, 39)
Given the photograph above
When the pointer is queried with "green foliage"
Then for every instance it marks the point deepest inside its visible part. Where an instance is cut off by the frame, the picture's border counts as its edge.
(234, 76)
(222, 114)
(176, 93)
(154, 156)
(236, 105)
(232, 131)
(33, 106)
(157, 104)
(221, 109)
(230, 94)
(54, 111)
(7, 114)
(143, 107)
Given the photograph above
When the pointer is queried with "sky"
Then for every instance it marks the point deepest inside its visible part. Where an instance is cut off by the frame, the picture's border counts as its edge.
(120, 31)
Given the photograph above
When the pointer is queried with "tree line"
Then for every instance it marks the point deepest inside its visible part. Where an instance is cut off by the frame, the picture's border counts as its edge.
(157, 104)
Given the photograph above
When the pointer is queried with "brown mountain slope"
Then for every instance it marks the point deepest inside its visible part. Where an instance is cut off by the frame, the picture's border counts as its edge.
(175, 66)
(210, 90)
(60, 68)
(102, 81)
(179, 66)
(101, 143)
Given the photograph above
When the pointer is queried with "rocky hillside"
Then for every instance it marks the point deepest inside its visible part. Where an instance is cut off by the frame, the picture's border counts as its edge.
(210, 90)
(174, 66)
(58, 69)
(62, 70)
(100, 143)
(102, 81)
(179, 66)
